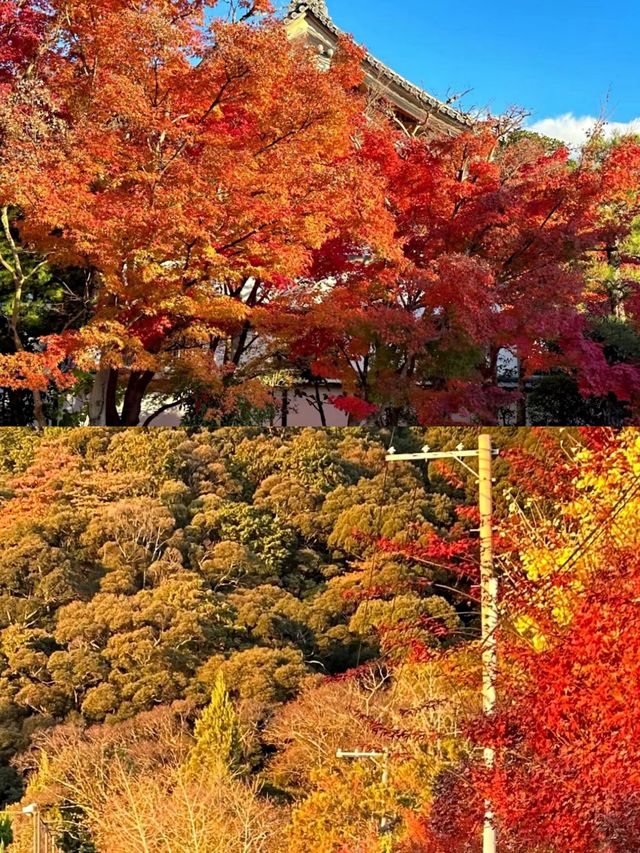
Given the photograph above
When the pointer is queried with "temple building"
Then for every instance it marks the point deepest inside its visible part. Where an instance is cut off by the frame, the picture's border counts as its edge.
(415, 108)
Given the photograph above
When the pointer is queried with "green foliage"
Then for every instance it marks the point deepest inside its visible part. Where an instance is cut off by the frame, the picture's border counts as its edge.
(251, 526)
(17, 447)
(73, 835)
(138, 565)
(6, 832)
(547, 143)
(406, 618)
(555, 400)
(217, 733)
(52, 300)
(621, 340)
(265, 676)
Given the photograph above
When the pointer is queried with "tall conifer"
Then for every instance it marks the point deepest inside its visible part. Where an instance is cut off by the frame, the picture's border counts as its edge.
(217, 733)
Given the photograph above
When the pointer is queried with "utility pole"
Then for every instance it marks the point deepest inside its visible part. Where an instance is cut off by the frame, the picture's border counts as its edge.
(374, 756)
(43, 841)
(34, 810)
(489, 599)
(488, 585)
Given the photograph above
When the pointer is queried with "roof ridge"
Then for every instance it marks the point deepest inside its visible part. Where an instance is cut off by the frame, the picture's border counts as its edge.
(300, 7)
(422, 94)
(318, 7)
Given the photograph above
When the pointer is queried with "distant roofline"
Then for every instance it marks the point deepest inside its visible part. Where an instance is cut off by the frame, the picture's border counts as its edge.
(298, 9)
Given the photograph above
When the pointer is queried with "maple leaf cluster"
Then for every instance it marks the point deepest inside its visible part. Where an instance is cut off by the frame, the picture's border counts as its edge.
(495, 243)
(565, 732)
(193, 167)
(22, 26)
(241, 212)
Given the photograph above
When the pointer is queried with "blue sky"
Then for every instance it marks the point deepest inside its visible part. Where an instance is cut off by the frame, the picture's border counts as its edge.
(563, 61)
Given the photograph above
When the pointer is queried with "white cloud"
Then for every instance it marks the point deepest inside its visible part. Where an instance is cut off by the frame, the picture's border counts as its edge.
(574, 130)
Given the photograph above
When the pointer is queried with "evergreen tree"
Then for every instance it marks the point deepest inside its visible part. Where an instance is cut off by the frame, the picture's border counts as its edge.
(217, 734)
(6, 833)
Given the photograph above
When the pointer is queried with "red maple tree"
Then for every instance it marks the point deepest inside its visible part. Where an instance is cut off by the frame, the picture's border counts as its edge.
(566, 730)
(192, 167)
(495, 239)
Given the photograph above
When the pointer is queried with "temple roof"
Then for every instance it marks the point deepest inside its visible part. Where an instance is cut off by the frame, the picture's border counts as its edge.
(379, 73)
(319, 7)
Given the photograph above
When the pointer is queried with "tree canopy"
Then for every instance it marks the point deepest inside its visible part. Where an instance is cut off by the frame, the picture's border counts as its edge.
(141, 568)
(197, 214)
(194, 624)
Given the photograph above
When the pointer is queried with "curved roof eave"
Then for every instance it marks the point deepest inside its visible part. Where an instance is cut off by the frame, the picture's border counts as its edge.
(423, 98)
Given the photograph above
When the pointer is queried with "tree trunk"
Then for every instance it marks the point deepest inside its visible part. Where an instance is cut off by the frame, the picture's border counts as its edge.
(521, 412)
(98, 398)
(103, 408)
(320, 406)
(137, 386)
(112, 418)
(38, 410)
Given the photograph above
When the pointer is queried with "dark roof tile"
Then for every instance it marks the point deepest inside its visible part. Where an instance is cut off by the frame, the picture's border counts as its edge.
(318, 8)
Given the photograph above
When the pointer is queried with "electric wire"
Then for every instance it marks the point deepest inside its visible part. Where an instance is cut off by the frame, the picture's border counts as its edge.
(598, 530)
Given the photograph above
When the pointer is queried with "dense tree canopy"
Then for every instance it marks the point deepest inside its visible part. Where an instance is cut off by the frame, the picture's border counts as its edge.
(196, 214)
(138, 568)
(566, 728)
(501, 244)
(233, 608)
(191, 166)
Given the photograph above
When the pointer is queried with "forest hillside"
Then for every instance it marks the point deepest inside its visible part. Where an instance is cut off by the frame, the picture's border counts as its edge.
(179, 608)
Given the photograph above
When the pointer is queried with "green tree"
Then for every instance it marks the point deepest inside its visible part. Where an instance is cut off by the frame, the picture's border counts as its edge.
(134, 566)
(6, 832)
(36, 299)
(217, 733)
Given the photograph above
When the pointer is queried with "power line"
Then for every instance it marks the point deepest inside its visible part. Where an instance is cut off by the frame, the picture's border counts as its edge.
(488, 585)
(594, 534)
